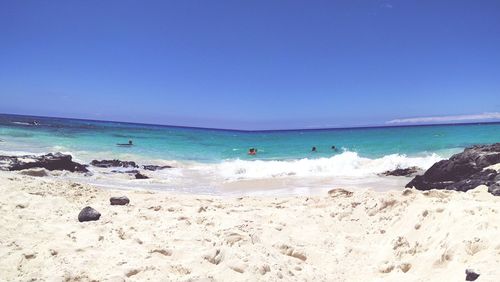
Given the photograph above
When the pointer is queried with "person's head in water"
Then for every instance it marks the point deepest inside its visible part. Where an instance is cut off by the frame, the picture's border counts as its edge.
(252, 151)
(130, 142)
(313, 149)
(334, 148)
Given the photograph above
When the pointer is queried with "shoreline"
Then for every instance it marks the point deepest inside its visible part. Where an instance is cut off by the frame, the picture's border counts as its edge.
(284, 178)
(363, 235)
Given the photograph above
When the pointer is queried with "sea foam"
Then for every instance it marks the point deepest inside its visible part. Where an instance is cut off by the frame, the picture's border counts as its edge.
(347, 164)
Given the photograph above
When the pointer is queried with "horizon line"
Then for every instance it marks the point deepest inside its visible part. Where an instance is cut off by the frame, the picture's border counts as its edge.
(261, 130)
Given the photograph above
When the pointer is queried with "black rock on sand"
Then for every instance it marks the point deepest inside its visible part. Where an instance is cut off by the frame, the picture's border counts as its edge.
(113, 163)
(88, 214)
(463, 171)
(57, 161)
(471, 275)
(119, 201)
(140, 176)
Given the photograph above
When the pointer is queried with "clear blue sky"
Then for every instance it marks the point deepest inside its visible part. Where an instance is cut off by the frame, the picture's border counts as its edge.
(250, 64)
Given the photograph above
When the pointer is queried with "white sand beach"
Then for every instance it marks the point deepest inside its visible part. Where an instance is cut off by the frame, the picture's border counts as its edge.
(404, 235)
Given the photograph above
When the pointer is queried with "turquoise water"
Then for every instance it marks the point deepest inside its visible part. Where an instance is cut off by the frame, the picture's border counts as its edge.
(212, 146)
(216, 161)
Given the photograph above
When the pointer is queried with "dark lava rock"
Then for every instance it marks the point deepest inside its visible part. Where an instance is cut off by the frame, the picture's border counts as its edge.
(113, 163)
(495, 188)
(119, 201)
(470, 275)
(155, 167)
(401, 171)
(133, 171)
(486, 177)
(463, 171)
(88, 214)
(50, 161)
(140, 176)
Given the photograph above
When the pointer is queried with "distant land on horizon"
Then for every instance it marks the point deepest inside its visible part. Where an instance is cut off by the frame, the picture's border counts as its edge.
(386, 125)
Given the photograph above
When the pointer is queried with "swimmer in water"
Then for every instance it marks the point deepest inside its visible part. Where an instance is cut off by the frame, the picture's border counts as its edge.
(334, 148)
(314, 149)
(252, 151)
(126, 144)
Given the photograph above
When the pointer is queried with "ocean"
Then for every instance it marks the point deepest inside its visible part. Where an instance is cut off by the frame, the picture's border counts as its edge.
(215, 160)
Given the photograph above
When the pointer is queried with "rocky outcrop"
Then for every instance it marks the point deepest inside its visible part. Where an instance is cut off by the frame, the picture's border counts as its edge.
(119, 201)
(140, 176)
(56, 161)
(402, 171)
(113, 163)
(88, 214)
(495, 188)
(463, 171)
(155, 167)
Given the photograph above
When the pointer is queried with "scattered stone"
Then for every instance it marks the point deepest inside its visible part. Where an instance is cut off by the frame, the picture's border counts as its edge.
(88, 214)
(30, 255)
(155, 167)
(56, 161)
(471, 275)
(114, 201)
(113, 163)
(463, 171)
(402, 171)
(140, 176)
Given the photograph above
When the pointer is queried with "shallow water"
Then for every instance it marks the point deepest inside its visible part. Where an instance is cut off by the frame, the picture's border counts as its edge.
(210, 160)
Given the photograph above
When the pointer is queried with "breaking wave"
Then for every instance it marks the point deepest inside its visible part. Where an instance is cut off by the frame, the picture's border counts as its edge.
(347, 164)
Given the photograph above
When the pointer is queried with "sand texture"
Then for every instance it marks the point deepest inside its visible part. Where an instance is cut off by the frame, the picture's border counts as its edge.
(342, 236)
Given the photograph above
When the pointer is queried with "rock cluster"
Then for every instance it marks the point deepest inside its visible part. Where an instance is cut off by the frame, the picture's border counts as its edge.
(57, 161)
(463, 171)
(113, 163)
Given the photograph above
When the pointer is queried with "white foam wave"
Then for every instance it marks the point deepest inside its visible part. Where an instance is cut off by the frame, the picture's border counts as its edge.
(347, 164)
